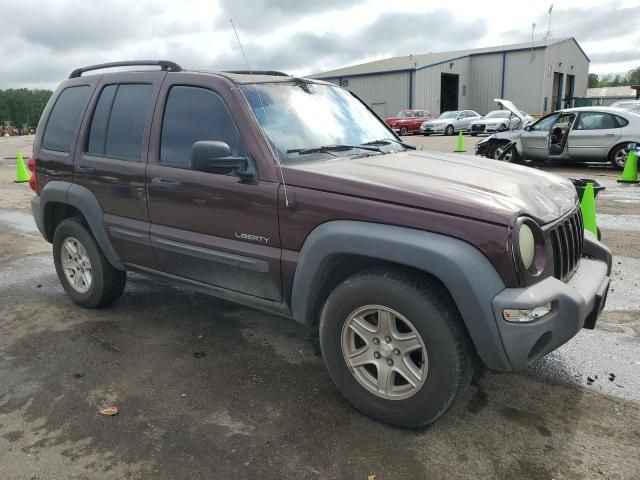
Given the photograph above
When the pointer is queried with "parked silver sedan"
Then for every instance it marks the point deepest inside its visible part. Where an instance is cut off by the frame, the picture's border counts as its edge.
(592, 134)
(450, 122)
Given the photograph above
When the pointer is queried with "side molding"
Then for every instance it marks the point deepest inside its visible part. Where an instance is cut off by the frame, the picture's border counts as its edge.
(82, 199)
(463, 269)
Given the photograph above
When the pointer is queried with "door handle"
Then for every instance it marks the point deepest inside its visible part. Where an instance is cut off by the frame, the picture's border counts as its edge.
(84, 169)
(166, 184)
(609, 134)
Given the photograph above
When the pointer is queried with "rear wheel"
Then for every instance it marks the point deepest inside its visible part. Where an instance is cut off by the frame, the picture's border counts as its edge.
(618, 156)
(395, 346)
(84, 272)
(403, 131)
(449, 130)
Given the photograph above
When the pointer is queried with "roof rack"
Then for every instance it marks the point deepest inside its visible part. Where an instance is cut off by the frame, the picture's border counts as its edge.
(258, 72)
(163, 64)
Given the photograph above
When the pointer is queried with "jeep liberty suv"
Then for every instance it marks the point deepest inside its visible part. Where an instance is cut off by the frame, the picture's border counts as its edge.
(291, 196)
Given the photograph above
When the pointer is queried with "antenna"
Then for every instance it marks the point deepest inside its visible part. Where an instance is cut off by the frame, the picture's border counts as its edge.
(533, 29)
(277, 154)
(548, 36)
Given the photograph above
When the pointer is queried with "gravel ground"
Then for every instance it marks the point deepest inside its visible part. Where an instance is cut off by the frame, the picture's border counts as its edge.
(208, 389)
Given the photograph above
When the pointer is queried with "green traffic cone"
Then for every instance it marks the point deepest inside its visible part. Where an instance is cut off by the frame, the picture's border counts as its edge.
(460, 143)
(588, 207)
(630, 172)
(22, 174)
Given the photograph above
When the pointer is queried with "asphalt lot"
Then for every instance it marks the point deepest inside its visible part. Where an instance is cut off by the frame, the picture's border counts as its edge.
(209, 389)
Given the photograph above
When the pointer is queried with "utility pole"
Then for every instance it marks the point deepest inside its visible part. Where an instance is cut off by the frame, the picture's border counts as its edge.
(548, 36)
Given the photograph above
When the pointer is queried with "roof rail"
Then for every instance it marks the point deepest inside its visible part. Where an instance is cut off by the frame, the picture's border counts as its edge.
(163, 64)
(258, 72)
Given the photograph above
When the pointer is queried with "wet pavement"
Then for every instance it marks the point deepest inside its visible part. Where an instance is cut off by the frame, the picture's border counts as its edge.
(209, 389)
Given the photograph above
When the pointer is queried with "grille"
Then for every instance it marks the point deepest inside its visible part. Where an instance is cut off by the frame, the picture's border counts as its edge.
(566, 241)
(477, 128)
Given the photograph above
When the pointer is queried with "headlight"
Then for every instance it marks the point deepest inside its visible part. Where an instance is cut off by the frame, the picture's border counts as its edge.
(527, 245)
(530, 248)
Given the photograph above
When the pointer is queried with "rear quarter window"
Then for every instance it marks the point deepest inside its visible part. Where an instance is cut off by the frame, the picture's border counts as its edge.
(64, 118)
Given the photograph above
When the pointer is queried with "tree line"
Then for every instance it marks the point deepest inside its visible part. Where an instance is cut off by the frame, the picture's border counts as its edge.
(632, 77)
(22, 106)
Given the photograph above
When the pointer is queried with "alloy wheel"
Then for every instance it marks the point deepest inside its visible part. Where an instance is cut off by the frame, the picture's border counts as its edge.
(384, 352)
(620, 157)
(76, 265)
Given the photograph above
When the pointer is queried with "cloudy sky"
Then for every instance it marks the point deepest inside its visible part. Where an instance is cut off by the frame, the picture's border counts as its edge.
(42, 41)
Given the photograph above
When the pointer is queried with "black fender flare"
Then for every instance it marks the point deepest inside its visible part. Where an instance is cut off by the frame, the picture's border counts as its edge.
(465, 271)
(82, 199)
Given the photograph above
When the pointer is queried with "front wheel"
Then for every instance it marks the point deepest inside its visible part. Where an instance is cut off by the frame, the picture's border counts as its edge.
(510, 156)
(403, 131)
(449, 130)
(84, 272)
(395, 346)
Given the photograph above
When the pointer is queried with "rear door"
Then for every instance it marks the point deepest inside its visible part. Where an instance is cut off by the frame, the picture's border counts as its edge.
(535, 140)
(593, 134)
(212, 228)
(112, 158)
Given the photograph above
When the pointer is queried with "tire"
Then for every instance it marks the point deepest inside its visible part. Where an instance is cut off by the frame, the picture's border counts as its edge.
(503, 127)
(426, 134)
(474, 134)
(618, 156)
(433, 317)
(103, 285)
(403, 131)
(511, 157)
(449, 130)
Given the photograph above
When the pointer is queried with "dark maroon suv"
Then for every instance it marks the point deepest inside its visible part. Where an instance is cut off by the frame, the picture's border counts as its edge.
(291, 196)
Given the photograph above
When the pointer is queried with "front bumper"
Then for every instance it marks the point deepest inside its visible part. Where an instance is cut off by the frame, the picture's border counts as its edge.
(432, 129)
(575, 304)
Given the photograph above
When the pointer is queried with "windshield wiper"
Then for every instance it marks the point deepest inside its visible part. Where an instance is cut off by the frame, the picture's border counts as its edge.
(388, 141)
(333, 148)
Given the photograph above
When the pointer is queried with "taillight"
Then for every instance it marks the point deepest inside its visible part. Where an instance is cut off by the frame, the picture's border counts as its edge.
(33, 181)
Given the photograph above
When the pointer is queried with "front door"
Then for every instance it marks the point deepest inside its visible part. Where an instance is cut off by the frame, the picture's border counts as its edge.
(213, 228)
(593, 135)
(559, 135)
(112, 158)
(535, 139)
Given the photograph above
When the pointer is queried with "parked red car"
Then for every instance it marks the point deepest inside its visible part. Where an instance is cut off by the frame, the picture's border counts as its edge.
(408, 121)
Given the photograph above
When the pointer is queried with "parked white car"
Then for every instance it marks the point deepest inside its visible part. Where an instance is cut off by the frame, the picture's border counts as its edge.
(451, 122)
(498, 121)
(633, 105)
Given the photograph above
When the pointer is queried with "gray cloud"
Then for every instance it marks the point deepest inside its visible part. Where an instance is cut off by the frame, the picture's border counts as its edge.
(606, 22)
(264, 15)
(616, 56)
(390, 35)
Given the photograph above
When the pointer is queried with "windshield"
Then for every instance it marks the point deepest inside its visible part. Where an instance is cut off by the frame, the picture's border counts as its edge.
(302, 115)
(497, 114)
(448, 115)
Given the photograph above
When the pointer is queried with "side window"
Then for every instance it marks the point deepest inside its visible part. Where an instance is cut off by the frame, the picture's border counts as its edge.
(544, 124)
(596, 121)
(117, 126)
(64, 117)
(193, 114)
(622, 122)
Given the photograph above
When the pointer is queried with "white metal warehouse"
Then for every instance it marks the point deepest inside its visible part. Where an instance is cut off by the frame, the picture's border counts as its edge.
(538, 77)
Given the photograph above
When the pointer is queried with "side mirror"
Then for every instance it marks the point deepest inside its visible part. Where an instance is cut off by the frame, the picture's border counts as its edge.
(527, 128)
(211, 156)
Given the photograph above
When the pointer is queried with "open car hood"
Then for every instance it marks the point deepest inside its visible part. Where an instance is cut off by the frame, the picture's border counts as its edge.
(508, 104)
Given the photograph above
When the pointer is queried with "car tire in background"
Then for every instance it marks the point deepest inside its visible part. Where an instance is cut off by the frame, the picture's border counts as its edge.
(473, 134)
(84, 272)
(449, 130)
(403, 131)
(618, 156)
(424, 339)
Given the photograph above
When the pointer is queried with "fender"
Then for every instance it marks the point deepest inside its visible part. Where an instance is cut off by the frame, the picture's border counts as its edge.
(462, 268)
(81, 198)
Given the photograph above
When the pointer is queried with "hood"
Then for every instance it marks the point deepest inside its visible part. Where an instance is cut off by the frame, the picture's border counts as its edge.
(472, 187)
(510, 106)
